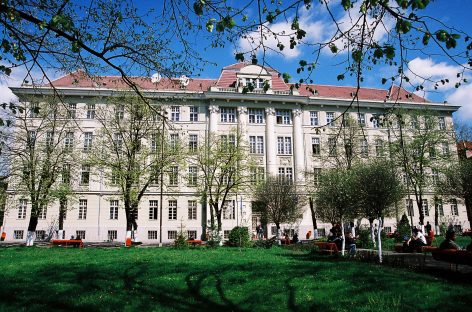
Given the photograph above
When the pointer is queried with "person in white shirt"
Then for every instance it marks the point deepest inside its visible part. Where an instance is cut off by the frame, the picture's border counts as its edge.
(416, 241)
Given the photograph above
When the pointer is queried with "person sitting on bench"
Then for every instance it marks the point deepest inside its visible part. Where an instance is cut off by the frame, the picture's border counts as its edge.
(449, 242)
(415, 242)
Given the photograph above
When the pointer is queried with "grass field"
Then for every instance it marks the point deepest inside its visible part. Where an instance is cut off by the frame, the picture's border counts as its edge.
(162, 279)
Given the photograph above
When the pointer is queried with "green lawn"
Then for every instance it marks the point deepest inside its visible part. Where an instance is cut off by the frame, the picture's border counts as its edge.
(161, 279)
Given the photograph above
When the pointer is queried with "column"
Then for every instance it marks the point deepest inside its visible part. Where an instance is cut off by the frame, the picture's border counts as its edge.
(242, 120)
(298, 150)
(271, 148)
(214, 114)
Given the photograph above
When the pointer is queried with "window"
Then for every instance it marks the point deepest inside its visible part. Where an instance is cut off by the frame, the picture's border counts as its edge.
(65, 174)
(330, 119)
(154, 143)
(316, 146)
(112, 235)
(454, 209)
(82, 209)
(322, 232)
(256, 144)
(34, 110)
(192, 210)
(284, 145)
(445, 149)
(314, 118)
(439, 207)
(409, 207)
(171, 234)
(113, 209)
(379, 148)
(119, 112)
(432, 152)
(361, 119)
(174, 140)
(152, 234)
(31, 138)
(228, 141)
(192, 176)
(49, 139)
(442, 123)
(22, 209)
(375, 122)
(273, 230)
(118, 142)
(414, 124)
(172, 210)
(174, 176)
(229, 211)
(283, 117)
(435, 176)
(72, 111)
(175, 113)
(40, 234)
(90, 111)
(192, 234)
(317, 175)
(88, 141)
(42, 213)
(364, 148)
(85, 175)
(226, 234)
(79, 234)
(153, 206)
(256, 115)
(115, 176)
(228, 114)
(69, 141)
(424, 207)
(192, 143)
(332, 147)
(193, 113)
(257, 175)
(388, 229)
(18, 234)
(285, 174)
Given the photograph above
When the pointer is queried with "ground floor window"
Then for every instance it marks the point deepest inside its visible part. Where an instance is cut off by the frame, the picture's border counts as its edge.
(273, 230)
(112, 235)
(321, 232)
(171, 234)
(226, 234)
(40, 234)
(152, 234)
(80, 234)
(18, 234)
(388, 229)
(192, 234)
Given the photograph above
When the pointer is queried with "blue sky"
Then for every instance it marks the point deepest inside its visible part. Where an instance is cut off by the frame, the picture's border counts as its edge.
(455, 13)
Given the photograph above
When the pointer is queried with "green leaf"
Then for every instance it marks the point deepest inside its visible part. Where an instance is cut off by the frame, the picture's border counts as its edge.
(333, 48)
(240, 57)
(286, 77)
(357, 56)
(340, 77)
(303, 63)
(346, 4)
(198, 7)
(210, 24)
(384, 80)
(426, 38)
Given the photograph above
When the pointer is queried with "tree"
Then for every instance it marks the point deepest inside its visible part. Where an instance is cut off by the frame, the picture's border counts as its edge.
(336, 198)
(279, 201)
(378, 189)
(416, 151)
(43, 144)
(130, 151)
(223, 164)
(457, 182)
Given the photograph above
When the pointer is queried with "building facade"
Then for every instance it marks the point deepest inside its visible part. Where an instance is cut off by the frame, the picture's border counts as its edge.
(289, 133)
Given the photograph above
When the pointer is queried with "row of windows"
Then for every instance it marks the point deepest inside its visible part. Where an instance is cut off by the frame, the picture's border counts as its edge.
(438, 205)
(114, 205)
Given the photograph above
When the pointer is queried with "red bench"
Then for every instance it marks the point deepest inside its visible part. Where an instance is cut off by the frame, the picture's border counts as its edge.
(68, 243)
(194, 242)
(453, 256)
(330, 248)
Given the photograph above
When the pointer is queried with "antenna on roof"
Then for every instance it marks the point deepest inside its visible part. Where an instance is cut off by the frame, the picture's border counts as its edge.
(155, 78)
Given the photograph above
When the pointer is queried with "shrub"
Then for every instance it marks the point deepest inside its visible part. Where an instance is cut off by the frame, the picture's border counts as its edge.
(239, 237)
(403, 228)
(364, 240)
(214, 237)
(181, 241)
(268, 243)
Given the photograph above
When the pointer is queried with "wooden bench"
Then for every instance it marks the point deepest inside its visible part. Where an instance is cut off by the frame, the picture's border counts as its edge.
(327, 247)
(453, 256)
(68, 242)
(194, 242)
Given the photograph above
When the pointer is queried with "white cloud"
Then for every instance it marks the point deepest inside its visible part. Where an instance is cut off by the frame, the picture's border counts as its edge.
(463, 97)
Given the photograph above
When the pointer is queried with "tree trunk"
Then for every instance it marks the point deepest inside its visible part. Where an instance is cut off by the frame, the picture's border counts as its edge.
(379, 238)
(313, 215)
(419, 202)
(371, 225)
(33, 223)
(279, 242)
(468, 207)
(62, 209)
(436, 219)
(343, 238)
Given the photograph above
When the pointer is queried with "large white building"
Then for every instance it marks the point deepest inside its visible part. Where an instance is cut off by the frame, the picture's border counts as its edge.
(278, 123)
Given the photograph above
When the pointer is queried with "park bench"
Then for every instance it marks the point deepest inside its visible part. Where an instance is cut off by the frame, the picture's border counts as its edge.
(453, 256)
(194, 242)
(327, 247)
(68, 242)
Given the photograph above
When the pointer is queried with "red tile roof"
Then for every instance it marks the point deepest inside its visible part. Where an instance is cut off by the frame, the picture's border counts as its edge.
(227, 79)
